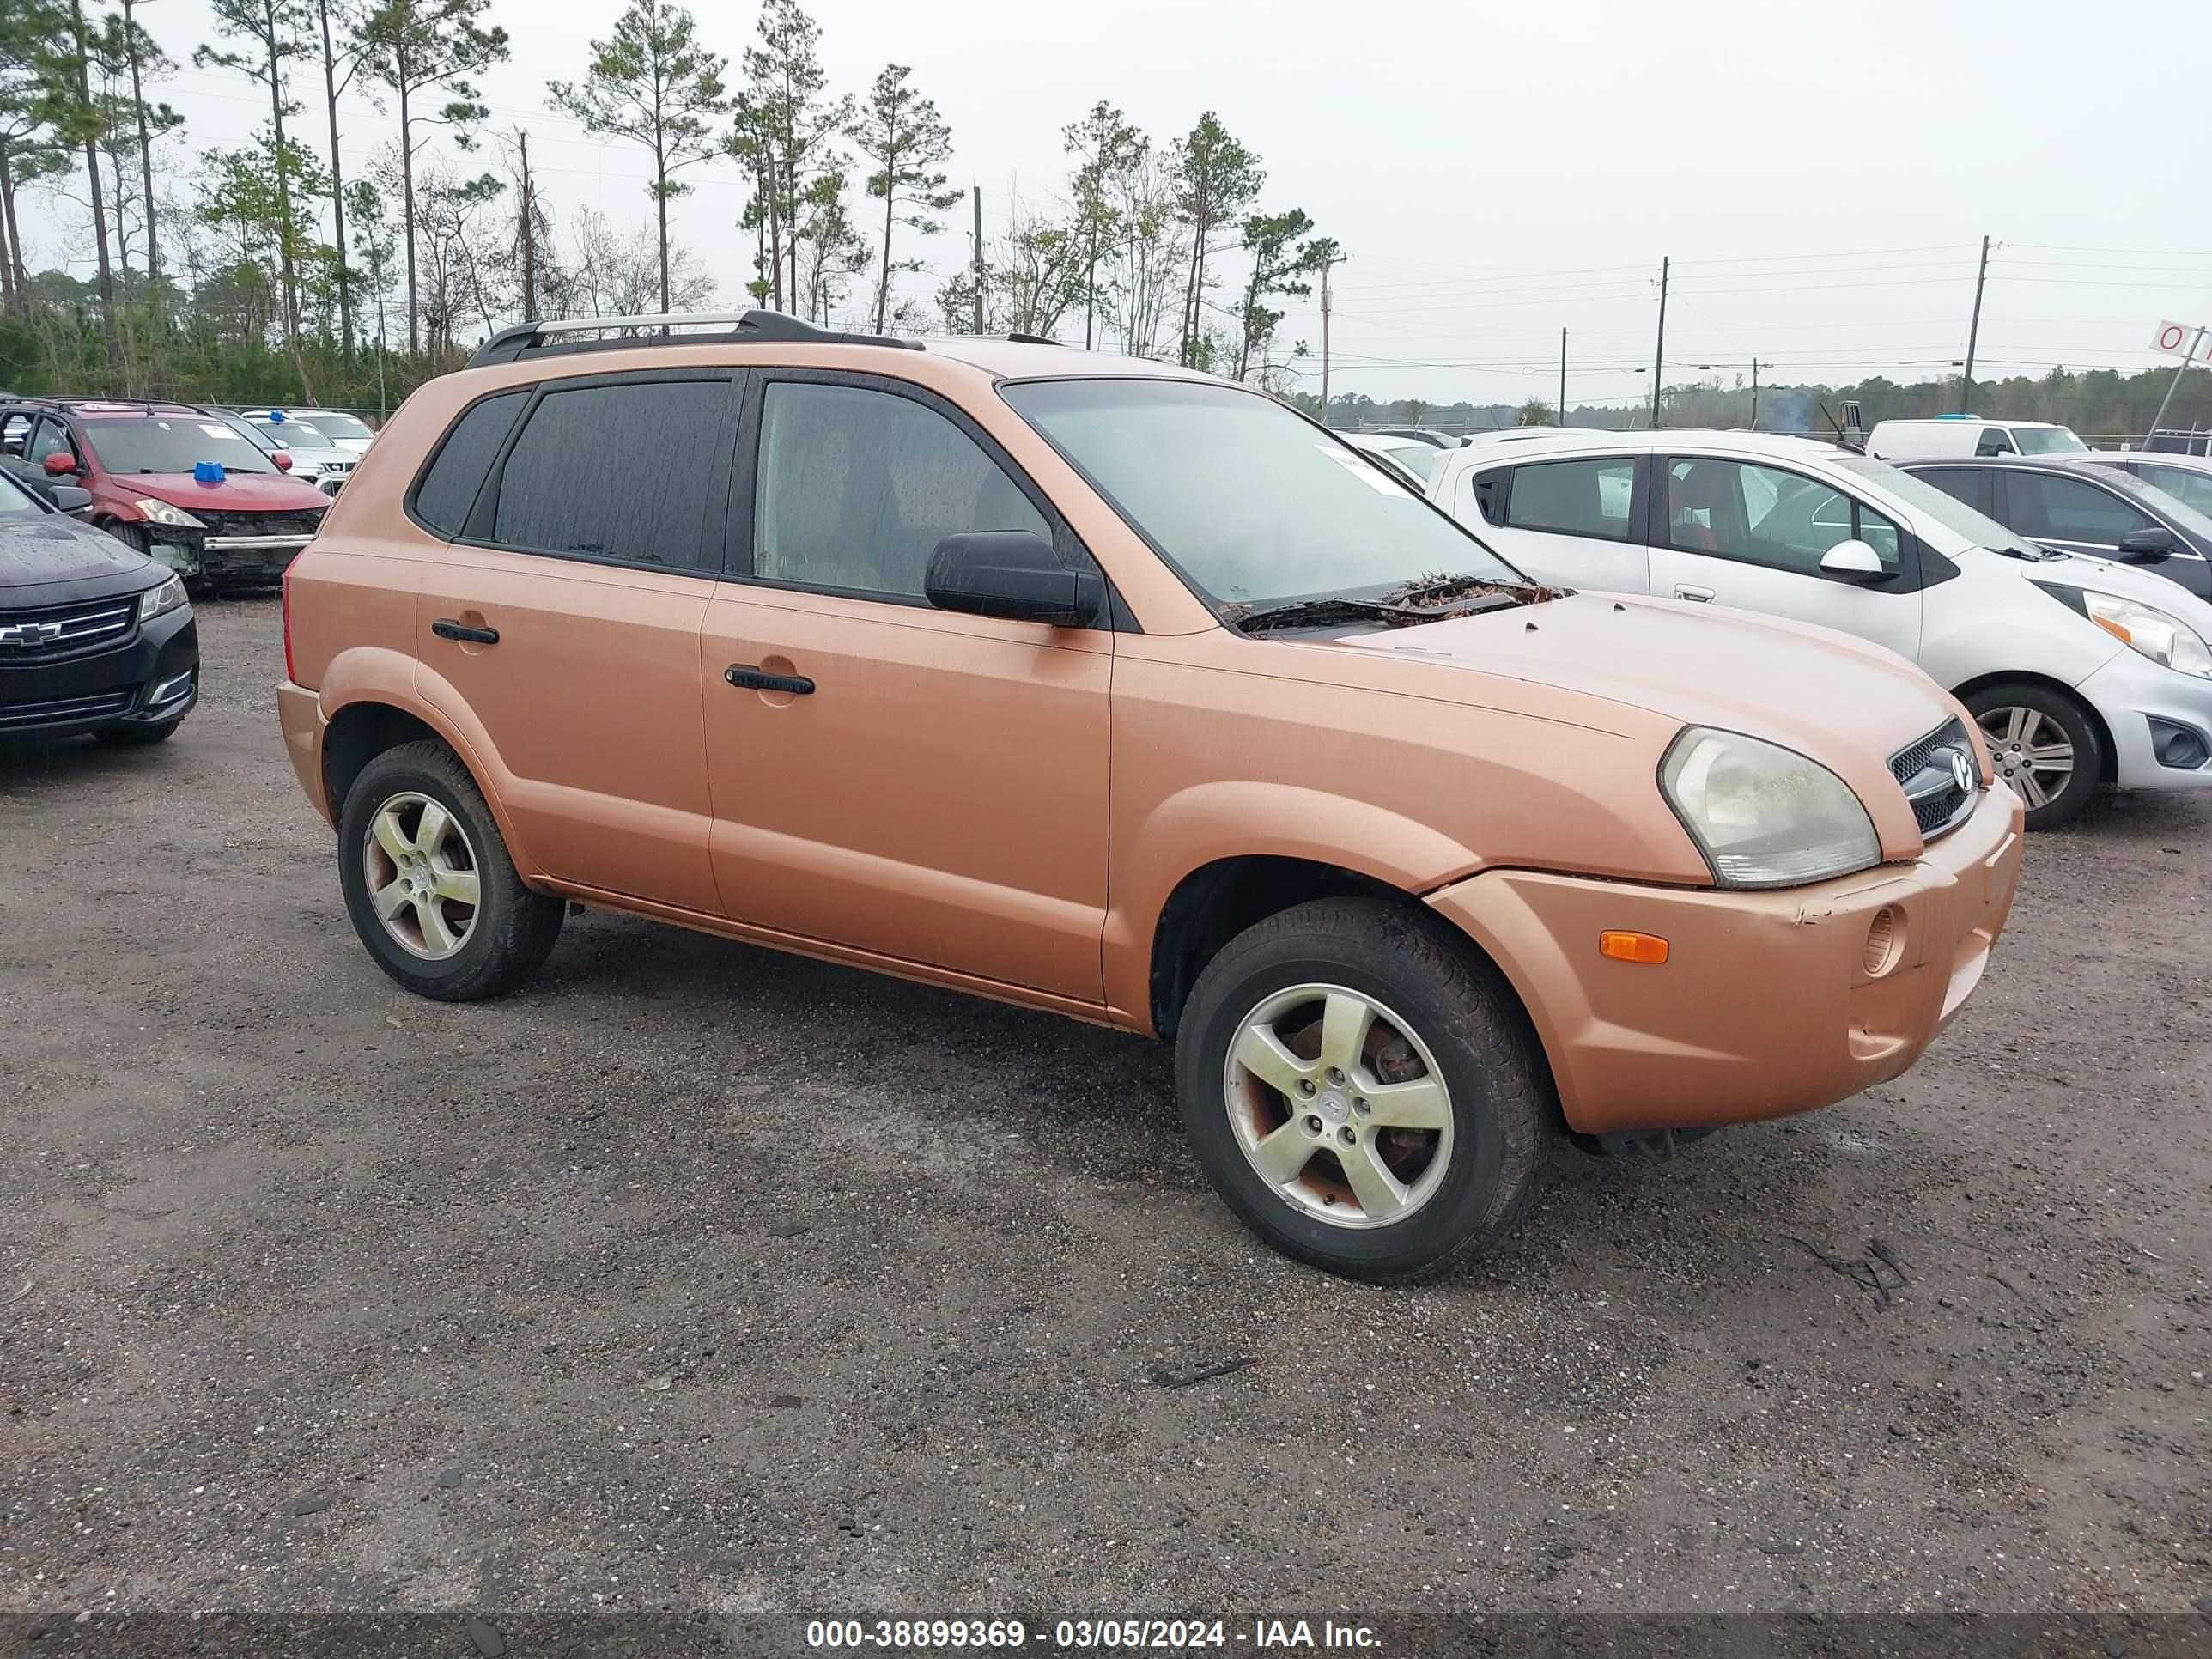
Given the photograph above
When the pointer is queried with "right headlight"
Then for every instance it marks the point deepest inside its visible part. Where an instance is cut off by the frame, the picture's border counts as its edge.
(2165, 639)
(1764, 816)
(163, 513)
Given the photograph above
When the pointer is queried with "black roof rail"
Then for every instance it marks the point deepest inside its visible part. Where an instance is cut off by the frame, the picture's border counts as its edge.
(744, 328)
(1032, 339)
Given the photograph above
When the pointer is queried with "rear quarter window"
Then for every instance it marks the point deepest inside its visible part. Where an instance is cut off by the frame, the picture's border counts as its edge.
(449, 486)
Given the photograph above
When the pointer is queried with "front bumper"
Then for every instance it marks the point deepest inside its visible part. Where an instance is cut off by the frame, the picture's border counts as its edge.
(2128, 693)
(149, 680)
(1769, 1003)
(225, 561)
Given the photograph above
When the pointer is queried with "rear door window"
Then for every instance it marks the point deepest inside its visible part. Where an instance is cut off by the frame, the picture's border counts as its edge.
(449, 487)
(1573, 498)
(630, 471)
(2051, 508)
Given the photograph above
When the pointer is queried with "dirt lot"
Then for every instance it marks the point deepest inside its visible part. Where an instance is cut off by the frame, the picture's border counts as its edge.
(698, 1277)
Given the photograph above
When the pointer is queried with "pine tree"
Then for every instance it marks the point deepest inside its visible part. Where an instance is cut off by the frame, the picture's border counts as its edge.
(900, 131)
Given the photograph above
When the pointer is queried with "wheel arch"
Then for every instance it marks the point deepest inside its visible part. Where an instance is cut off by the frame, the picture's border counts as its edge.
(2108, 766)
(370, 720)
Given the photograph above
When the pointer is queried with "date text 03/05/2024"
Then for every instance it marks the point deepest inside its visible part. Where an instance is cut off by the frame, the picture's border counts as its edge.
(1084, 1635)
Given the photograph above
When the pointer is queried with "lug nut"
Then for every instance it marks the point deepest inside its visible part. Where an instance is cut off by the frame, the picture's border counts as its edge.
(1359, 1105)
(1313, 1125)
(1305, 1085)
(1348, 1135)
(1335, 1075)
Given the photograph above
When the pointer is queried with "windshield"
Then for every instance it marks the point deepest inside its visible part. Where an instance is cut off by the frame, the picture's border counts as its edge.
(17, 504)
(1250, 503)
(1416, 457)
(2046, 440)
(332, 425)
(1948, 510)
(293, 435)
(171, 445)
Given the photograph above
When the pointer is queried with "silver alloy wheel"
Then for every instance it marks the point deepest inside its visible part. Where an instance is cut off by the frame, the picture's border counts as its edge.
(421, 875)
(2034, 755)
(1338, 1104)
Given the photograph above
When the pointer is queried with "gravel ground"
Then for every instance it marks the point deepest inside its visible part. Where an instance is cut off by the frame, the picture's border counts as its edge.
(695, 1277)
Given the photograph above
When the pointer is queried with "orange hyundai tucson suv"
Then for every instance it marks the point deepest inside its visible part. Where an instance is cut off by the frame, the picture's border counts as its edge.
(1103, 687)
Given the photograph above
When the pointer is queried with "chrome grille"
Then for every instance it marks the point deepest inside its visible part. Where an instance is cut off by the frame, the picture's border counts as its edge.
(57, 629)
(1929, 776)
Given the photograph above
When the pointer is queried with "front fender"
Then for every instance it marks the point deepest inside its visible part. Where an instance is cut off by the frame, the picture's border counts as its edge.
(1245, 818)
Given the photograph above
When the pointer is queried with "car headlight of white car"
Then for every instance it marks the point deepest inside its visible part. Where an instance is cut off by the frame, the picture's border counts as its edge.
(158, 601)
(2164, 638)
(1764, 816)
(162, 513)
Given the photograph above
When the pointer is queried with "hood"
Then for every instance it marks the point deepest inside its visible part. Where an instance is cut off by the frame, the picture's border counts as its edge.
(1844, 702)
(2124, 581)
(240, 492)
(57, 560)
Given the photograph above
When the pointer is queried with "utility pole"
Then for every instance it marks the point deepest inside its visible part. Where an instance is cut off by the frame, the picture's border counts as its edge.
(529, 238)
(1974, 333)
(1754, 394)
(1562, 377)
(2159, 419)
(1326, 265)
(979, 258)
(1659, 352)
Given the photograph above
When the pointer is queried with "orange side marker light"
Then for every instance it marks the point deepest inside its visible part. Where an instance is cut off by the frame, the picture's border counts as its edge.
(1632, 947)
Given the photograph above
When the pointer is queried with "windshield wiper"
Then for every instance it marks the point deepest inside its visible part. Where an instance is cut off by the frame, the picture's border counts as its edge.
(1310, 613)
(1404, 608)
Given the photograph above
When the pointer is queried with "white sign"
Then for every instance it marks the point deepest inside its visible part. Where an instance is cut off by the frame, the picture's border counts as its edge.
(2182, 340)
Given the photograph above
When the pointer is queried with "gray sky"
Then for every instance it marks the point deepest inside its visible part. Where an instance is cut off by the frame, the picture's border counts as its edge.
(1821, 175)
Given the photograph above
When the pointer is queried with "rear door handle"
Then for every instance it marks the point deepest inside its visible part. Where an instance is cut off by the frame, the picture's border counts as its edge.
(747, 677)
(1686, 590)
(446, 629)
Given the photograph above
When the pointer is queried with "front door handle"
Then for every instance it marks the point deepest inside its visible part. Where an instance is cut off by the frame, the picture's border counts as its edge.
(446, 629)
(1687, 591)
(745, 677)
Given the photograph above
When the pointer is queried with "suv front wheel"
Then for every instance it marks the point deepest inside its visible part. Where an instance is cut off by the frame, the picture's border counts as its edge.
(1360, 1093)
(428, 883)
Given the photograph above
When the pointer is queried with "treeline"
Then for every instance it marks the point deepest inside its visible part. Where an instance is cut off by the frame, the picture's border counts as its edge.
(269, 272)
(2096, 402)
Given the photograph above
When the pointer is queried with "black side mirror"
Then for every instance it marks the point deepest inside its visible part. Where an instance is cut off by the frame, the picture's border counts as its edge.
(67, 498)
(2153, 545)
(1013, 574)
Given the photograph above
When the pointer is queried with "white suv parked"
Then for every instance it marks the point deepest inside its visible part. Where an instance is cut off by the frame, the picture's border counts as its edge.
(2080, 670)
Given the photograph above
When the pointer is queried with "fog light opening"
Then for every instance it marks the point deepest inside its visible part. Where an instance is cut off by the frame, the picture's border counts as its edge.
(2182, 747)
(1885, 941)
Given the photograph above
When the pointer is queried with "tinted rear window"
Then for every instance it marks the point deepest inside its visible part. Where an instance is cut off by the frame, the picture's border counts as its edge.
(442, 498)
(624, 472)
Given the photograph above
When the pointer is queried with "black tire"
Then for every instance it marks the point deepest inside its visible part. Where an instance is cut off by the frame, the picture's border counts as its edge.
(132, 536)
(1500, 1087)
(2071, 799)
(136, 737)
(512, 929)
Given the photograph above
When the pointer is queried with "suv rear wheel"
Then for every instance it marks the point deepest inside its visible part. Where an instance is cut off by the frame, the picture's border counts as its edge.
(2047, 750)
(1360, 1093)
(428, 883)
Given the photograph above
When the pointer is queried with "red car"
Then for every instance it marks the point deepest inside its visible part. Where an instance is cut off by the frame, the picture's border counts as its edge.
(173, 481)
